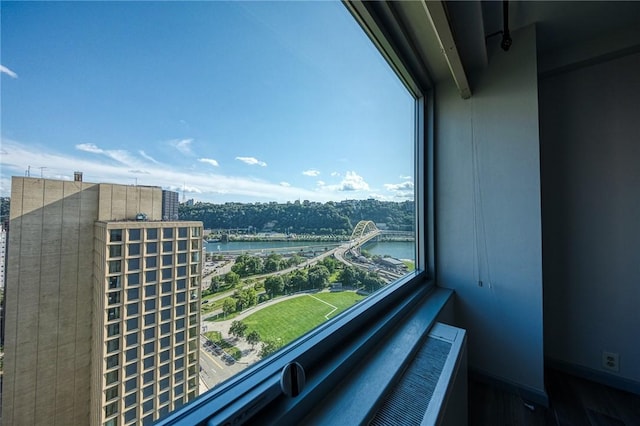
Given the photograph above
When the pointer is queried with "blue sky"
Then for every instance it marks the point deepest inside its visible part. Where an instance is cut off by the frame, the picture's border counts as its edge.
(232, 101)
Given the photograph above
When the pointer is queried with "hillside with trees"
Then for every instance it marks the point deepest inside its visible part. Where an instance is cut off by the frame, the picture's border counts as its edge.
(331, 218)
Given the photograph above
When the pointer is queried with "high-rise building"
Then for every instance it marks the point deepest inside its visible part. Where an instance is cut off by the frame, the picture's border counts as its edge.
(170, 203)
(102, 305)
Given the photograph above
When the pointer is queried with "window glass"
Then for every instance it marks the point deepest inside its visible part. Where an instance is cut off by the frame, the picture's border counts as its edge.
(152, 248)
(111, 377)
(113, 361)
(151, 261)
(134, 249)
(133, 279)
(131, 354)
(115, 235)
(132, 324)
(111, 393)
(115, 250)
(131, 384)
(133, 294)
(133, 264)
(322, 159)
(111, 409)
(113, 345)
(134, 234)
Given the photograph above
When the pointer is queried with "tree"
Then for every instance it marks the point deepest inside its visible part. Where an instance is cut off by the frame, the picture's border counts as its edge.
(318, 276)
(350, 276)
(216, 282)
(273, 263)
(253, 338)
(228, 306)
(237, 329)
(268, 348)
(274, 285)
(231, 279)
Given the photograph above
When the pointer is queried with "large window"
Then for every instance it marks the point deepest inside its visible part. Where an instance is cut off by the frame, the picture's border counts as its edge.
(286, 132)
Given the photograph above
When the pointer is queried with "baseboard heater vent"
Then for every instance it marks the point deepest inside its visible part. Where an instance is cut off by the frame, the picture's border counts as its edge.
(433, 388)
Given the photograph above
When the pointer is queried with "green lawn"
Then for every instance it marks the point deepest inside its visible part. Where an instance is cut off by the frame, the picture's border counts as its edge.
(292, 318)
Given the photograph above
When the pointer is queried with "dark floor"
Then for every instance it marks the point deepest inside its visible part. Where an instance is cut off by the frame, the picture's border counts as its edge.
(573, 402)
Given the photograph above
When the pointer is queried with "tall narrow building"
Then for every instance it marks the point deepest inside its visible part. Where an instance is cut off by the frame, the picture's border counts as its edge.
(102, 305)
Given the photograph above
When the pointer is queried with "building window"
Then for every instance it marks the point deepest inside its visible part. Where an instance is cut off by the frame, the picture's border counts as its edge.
(181, 271)
(195, 231)
(130, 400)
(164, 356)
(165, 329)
(150, 290)
(131, 354)
(164, 343)
(111, 409)
(147, 406)
(165, 314)
(195, 282)
(179, 311)
(113, 314)
(195, 244)
(133, 294)
(148, 363)
(132, 339)
(182, 245)
(164, 397)
(133, 279)
(134, 234)
(182, 232)
(179, 350)
(133, 264)
(130, 415)
(115, 266)
(113, 361)
(149, 348)
(147, 392)
(179, 363)
(130, 370)
(149, 319)
(151, 261)
(132, 324)
(115, 235)
(115, 251)
(152, 248)
(167, 233)
(167, 273)
(149, 305)
(166, 287)
(113, 329)
(166, 301)
(133, 309)
(131, 384)
(114, 282)
(148, 377)
(134, 249)
(113, 345)
(110, 394)
(167, 246)
(152, 233)
(149, 333)
(151, 276)
(164, 370)
(113, 298)
(195, 256)
(182, 258)
(111, 377)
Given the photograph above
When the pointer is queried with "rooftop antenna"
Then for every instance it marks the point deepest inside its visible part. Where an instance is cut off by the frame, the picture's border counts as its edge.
(27, 172)
(42, 169)
(184, 199)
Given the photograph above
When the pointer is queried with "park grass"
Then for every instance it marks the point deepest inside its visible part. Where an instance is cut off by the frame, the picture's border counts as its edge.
(290, 319)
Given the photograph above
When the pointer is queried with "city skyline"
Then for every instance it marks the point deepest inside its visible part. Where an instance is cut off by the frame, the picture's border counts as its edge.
(301, 106)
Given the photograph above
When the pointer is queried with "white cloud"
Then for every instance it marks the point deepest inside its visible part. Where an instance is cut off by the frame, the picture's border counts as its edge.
(96, 169)
(7, 71)
(335, 174)
(311, 172)
(139, 172)
(182, 145)
(285, 184)
(353, 182)
(211, 161)
(252, 161)
(118, 155)
(321, 183)
(89, 147)
(404, 186)
(148, 157)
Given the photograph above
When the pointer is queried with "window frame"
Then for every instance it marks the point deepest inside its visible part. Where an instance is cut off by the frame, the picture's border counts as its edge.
(361, 327)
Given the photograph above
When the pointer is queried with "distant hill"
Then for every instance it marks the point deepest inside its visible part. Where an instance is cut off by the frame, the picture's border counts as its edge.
(337, 218)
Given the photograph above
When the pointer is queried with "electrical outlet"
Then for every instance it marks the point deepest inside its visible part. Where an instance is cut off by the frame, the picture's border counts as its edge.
(610, 361)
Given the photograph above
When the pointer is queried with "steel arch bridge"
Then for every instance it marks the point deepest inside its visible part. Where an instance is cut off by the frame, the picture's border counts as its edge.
(363, 228)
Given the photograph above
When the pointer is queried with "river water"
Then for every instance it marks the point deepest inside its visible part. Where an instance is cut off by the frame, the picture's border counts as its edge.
(397, 249)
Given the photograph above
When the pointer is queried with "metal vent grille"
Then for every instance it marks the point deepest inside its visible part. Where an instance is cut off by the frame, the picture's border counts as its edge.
(407, 402)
